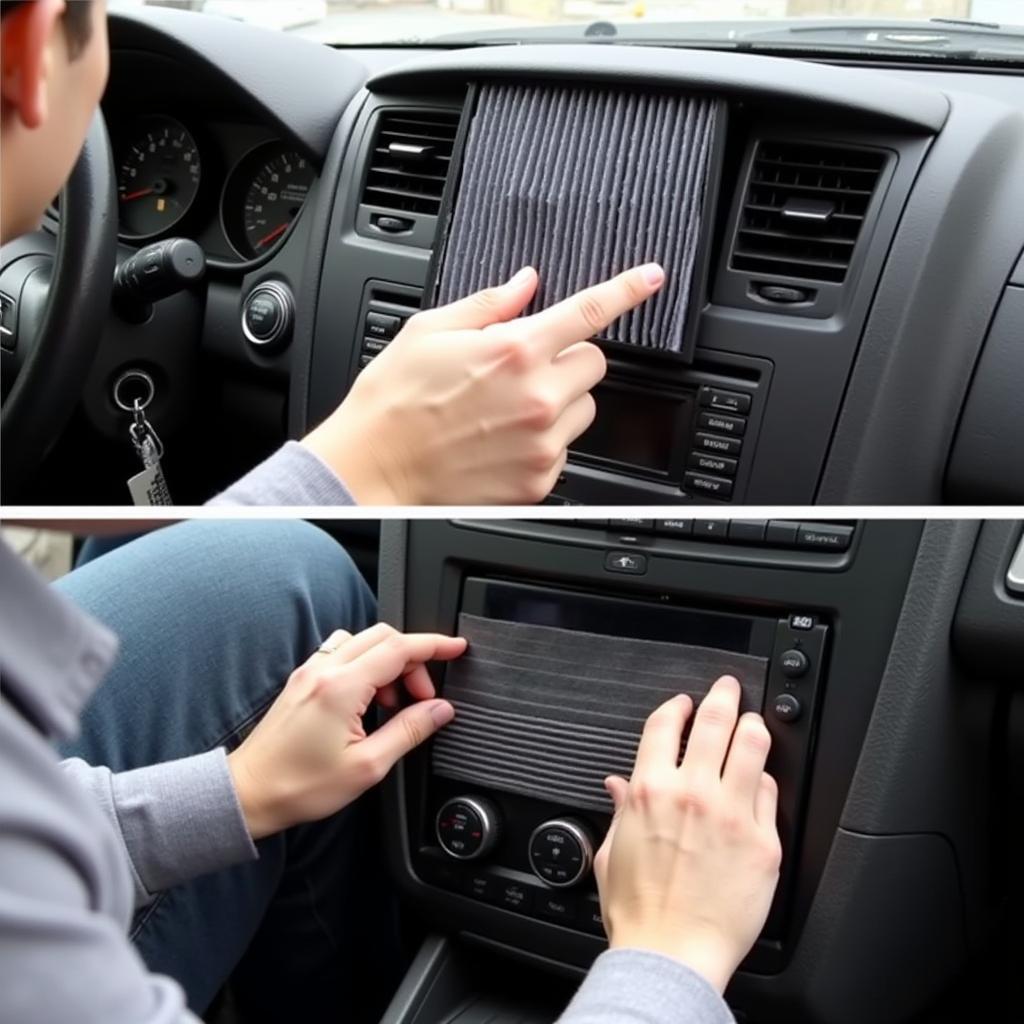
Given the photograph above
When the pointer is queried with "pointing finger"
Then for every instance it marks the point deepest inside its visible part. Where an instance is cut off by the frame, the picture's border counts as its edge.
(481, 309)
(587, 313)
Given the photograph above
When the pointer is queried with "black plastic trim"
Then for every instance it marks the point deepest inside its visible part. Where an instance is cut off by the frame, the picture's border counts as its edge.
(791, 83)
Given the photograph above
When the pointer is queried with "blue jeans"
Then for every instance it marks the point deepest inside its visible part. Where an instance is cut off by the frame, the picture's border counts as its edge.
(213, 617)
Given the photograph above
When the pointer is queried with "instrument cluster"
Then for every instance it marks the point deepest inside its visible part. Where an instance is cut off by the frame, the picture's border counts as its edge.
(173, 179)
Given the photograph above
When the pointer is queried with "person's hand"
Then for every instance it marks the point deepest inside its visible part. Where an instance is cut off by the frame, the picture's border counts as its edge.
(309, 755)
(692, 858)
(469, 405)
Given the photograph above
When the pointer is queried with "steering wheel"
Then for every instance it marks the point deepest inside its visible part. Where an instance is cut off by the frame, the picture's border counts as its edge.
(49, 384)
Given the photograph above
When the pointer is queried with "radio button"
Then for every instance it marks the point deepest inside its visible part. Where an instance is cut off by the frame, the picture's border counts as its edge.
(735, 426)
(824, 537)
(512, 896)
(747, 531)
(481, 887)
(382, 325)
(787, 708)
(646, 525)
(675, 527)
(716, 486)
(557, 908)
(714, 529)
(718, 445)
(628, 562)
(781, 533)
(724, 401)
(713, 464)
(794, 663)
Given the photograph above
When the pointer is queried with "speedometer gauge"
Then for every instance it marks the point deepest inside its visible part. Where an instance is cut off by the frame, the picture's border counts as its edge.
(263, 196)
(157, 178)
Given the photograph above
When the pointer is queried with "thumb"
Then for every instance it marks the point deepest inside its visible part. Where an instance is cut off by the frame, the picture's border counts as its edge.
(404, 732)
(617, 788)
(483, 308)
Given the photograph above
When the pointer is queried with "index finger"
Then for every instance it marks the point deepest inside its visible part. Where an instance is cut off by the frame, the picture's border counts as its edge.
(400, 653)
(589, 312)
(662, 737)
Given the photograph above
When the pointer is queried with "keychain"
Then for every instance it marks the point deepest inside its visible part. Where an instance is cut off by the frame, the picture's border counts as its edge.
(150, 486)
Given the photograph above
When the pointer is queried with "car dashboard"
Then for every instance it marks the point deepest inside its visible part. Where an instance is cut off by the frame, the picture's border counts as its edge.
(858, 275)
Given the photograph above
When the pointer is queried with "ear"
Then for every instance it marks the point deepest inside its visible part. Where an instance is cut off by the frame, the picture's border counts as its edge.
(27, 43)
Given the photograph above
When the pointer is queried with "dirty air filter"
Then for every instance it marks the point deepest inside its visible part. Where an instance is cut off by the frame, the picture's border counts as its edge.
(550, 712)
(583, 183)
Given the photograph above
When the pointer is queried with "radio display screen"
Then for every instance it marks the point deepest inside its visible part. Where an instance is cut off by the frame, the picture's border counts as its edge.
(635, 427)
(612, 616)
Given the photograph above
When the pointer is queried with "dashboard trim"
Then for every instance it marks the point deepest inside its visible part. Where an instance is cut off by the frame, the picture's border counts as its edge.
(738, 75)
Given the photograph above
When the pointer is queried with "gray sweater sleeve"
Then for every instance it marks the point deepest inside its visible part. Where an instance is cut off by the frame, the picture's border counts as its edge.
(634, 986)
(175, 820)
(293, 475)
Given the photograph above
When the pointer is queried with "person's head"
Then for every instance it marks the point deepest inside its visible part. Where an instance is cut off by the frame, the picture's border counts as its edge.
(53, 69)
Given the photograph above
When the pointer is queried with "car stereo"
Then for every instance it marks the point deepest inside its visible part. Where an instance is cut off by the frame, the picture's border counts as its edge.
(691, 428)
(551, 697)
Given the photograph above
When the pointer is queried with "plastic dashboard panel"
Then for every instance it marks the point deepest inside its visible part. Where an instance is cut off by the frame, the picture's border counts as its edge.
(893, 818)
(806, 361)
(863, 406)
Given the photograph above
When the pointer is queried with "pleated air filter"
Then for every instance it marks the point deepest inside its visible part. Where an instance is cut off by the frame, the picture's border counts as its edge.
(583, 183)
(549, 712)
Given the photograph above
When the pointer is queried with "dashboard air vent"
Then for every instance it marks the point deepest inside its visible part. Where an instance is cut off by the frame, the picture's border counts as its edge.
(409, 162)
(804, 209)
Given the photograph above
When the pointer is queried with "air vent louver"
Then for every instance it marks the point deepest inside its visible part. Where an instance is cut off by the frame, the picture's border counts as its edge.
(804, 209)
(409, 162)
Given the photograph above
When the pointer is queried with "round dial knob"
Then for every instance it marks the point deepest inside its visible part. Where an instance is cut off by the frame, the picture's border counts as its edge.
(267, 315)
(561, 851)
(467, 827)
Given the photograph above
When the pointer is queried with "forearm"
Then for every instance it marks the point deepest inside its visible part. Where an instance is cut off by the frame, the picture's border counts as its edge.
(175, 821)
(633, 986)
(293, 475)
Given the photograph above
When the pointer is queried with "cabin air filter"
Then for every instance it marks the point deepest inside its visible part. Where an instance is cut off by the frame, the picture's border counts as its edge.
(583, 183)
(550, 713)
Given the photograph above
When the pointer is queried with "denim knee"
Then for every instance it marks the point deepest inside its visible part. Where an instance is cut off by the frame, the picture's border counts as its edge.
(287, 557)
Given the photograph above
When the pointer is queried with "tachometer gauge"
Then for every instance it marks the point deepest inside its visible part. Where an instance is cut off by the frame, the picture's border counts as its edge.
(263, 196)
(157, 178)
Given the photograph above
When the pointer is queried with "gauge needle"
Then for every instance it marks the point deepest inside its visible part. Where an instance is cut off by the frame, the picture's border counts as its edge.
(266, 239)
(137, 195)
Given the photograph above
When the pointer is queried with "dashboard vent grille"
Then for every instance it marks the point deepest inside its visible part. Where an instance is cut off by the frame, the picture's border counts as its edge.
(804, 209)
(409, 163)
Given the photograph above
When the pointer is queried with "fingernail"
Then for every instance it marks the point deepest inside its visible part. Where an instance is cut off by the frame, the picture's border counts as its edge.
(441, 712)
(653, 275)
(522, 276)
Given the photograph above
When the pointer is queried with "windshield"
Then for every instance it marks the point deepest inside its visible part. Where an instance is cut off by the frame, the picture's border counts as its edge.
(956, 28)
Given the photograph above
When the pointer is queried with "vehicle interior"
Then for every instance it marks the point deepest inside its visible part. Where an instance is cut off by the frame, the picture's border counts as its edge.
(257, 213)
(889, 676)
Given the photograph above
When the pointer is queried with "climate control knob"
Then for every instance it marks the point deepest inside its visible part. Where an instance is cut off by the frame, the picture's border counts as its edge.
(467, 827)
(561, 852)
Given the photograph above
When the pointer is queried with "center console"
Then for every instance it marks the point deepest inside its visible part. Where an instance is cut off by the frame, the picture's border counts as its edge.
(550, 699)
(578, 629)
(839, 634)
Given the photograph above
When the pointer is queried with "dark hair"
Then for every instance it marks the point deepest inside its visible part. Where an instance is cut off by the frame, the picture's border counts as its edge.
(77, 22)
